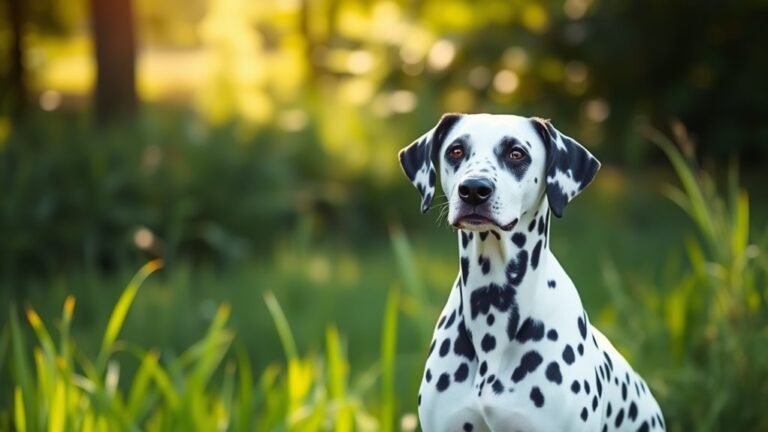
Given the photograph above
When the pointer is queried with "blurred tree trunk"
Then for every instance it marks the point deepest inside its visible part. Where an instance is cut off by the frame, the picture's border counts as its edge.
(115, 45)
(17, 86)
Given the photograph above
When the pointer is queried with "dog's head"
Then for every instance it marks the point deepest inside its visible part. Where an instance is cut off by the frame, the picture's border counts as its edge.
(493, 168)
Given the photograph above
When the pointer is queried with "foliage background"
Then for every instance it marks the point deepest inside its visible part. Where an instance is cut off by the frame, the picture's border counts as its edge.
(260, 157)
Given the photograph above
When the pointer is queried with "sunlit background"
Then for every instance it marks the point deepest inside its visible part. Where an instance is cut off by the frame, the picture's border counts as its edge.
(251, 147)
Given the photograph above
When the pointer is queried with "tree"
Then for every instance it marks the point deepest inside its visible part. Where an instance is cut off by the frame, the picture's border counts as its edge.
(17, 88)
(115, 49)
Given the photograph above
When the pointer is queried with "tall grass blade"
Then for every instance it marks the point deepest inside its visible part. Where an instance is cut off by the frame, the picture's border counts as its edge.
(244, 409)
(283, 328)
(117, 318)
(57, 416)
(140, 388)
(42, 335)
(338, 370)
(388, 352)
(19, 411)
(406, 264)
(5, 341)
(697, 206)
(24, 397)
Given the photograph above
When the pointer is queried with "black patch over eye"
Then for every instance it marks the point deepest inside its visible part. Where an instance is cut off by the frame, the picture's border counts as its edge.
(513, 157)
(456, 153)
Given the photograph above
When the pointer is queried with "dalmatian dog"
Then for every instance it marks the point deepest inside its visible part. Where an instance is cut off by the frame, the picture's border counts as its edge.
(513, 349)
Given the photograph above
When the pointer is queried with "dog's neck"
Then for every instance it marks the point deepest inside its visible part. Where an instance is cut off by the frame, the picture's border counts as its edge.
(501, 276)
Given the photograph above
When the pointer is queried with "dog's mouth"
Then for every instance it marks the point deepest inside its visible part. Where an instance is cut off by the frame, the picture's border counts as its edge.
(475, 221)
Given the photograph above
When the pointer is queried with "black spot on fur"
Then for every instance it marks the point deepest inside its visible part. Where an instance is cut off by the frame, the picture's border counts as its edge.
(552, 334)
(429, 375)
(551, 283)
(483, 235)
(580, 349)
(586, 387)
(584, 414)
(443, 382)
(468, 427)
(495, 234)
(568, 356)
(608, 410)
(532, 225)
(531, 329)
(512, 322)
(483, 368)
(529, 362)
(484, 263)
(464, 240)
(643, 427)
(553, 373)
(445, 347)
(498, 387)
(535, 255)
(464, 269)
(632, 412)
(488, 343)
(582, 327)
(608, 359)
(500, 297)
(451, 319)
(462, 345)
(619, 418)
(541, 225)
(490, 319)
(537, 397)
(517, 267)
(623, 391)
(518, 239)
(575, 387)
(461, 373)
(441, 322)
(599, 385)
(594, 403)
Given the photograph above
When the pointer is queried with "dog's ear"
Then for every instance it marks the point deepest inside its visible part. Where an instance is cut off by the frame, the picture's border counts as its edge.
(420, 159)
(569, 166)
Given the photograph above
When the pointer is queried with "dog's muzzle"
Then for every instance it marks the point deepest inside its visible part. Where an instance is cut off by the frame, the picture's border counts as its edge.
(476, 191)
(475, 194)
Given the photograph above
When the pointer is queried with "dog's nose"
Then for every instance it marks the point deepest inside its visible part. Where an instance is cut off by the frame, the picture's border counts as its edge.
(475, 191)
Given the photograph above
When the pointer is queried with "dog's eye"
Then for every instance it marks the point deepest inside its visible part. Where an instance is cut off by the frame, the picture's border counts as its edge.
(456, 152)
(516, 155)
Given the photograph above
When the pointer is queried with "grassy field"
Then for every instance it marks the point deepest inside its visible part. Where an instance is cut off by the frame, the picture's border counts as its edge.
(322, 333)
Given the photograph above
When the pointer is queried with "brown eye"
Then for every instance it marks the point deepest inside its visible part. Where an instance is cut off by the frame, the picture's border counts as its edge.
(456, 152)
(516, 155)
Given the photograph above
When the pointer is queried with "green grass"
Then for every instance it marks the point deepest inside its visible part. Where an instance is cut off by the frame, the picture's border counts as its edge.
(331, 336)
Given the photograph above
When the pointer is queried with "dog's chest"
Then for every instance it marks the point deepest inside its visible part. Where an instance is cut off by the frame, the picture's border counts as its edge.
(493, 366)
